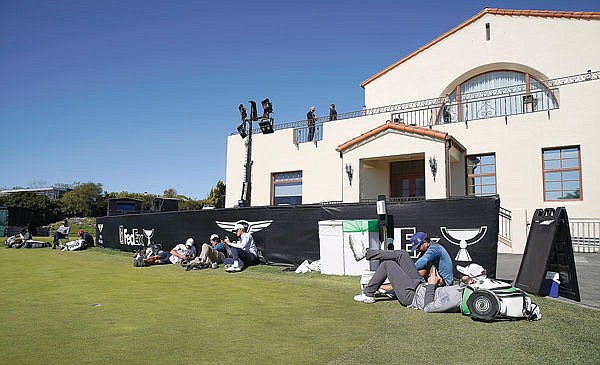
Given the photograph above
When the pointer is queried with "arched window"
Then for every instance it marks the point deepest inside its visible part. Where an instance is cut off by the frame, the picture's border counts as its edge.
(494, 94)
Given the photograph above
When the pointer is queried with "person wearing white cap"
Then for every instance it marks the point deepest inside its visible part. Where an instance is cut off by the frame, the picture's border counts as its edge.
(212, 254)
(243, 252)
(180, 253)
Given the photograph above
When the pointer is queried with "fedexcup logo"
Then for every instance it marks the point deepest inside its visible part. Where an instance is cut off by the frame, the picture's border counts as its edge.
(251, 227)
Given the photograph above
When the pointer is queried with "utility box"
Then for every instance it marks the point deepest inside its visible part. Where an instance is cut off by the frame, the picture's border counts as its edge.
(337, 256)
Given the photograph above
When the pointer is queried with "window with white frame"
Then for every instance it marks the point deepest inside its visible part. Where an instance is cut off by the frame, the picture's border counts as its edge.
(481, 175)
(562, 173)
(286, 188)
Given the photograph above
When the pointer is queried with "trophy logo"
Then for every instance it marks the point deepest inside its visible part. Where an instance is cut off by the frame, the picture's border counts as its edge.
(100, 226)
(463, 238)
(149, 233)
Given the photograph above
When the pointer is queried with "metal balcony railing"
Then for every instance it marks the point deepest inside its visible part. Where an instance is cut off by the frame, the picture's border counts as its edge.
(456, 111)
(303, 134)
(476, 104)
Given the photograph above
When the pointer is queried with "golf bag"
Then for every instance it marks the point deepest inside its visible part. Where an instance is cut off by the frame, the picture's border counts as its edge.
(492, 300)
(139, 256)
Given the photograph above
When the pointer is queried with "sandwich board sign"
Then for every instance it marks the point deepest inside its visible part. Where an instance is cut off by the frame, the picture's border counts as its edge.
(549, 248)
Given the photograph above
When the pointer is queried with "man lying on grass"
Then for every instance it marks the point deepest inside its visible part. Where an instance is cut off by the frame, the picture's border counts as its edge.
(177, 255)
(410, 288)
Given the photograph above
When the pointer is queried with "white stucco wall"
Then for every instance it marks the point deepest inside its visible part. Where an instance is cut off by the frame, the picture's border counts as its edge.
(545, 47)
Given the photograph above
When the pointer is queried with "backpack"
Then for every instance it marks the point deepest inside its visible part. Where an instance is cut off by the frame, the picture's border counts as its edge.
(493, 300)
(143, 253)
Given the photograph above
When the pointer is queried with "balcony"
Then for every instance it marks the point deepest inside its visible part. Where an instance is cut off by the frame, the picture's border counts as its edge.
(501, 102)
(302, 134)
(478, 106)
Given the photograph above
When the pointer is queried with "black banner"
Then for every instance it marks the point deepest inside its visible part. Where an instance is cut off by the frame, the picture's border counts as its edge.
(466, 227)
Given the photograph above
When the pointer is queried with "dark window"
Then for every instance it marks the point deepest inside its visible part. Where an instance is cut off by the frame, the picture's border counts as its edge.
(481, 175)
(407, 179)
(287, 188)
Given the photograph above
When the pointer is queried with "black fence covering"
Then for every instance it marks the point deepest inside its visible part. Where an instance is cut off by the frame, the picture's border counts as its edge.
(466, 227)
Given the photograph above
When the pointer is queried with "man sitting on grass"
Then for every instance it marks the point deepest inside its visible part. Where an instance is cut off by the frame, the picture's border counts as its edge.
(410, 288)
(211, 255)
(179, 254)
(243, 252)
(83, 241)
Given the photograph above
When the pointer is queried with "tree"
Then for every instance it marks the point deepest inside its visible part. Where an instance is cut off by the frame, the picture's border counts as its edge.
(84, 200)
(43, 209)
(147, 199)
(170, 193)
(216, 197)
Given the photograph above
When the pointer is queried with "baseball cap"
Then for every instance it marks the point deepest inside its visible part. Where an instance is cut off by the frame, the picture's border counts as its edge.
(416, 240)
(214, 236)
(472, 270)
(189, 242)
(238, 226)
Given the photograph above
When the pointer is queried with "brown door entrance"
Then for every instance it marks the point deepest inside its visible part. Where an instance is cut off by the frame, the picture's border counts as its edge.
(407, 179)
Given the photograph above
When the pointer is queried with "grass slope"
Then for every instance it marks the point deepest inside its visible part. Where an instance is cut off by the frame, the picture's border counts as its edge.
(164, 315)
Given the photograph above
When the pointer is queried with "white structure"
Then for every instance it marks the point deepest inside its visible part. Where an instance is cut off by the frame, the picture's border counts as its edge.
(506, 103)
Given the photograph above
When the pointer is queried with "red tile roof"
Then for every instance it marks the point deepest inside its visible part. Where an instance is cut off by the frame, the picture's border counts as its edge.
(528, 13)
(394, 126)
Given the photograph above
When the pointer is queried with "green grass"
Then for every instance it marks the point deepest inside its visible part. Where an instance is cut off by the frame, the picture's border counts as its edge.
(164, 315)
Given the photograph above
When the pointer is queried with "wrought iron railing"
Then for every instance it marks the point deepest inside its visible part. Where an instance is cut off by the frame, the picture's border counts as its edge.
(303, 134)
(453, 111)
(437, 103)
(505, 220)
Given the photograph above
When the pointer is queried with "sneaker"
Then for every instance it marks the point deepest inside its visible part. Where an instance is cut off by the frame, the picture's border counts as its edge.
(214, 265)
(358, 246)
(363, 298)
(233, 268)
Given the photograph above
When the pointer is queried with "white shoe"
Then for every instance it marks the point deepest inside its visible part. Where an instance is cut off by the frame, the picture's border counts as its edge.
(364, 298)
(233, 268)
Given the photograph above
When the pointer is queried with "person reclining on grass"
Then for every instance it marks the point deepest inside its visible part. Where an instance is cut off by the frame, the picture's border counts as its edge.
(83, 241)
(180, 253)
(211, 255)
(243, 252)
(18, 240)
(410, 288)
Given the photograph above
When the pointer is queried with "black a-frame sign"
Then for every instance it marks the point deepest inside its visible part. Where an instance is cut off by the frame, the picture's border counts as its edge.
(549, 248)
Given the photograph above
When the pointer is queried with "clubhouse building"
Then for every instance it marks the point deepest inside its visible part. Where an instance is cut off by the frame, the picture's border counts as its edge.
(506, 103)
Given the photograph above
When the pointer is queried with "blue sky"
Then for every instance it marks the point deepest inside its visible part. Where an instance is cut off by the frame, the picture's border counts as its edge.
(140, 95)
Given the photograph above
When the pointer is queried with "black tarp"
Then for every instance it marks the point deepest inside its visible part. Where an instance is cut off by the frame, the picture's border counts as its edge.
(293, 234)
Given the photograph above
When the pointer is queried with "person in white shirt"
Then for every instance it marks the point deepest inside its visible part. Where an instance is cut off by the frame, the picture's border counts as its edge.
(180, 253)
(61, 232)
(243, 252)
